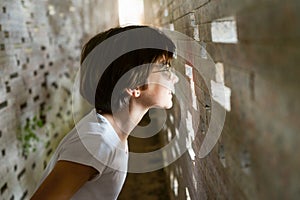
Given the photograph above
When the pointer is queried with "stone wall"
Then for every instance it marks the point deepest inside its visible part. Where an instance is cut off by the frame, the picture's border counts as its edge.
(39, 57)
(257, 44)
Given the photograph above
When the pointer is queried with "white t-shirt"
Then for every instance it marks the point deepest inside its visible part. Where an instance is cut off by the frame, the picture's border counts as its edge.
(93, 142)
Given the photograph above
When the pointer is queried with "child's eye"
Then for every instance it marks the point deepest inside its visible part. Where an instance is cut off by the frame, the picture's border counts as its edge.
(167, 66)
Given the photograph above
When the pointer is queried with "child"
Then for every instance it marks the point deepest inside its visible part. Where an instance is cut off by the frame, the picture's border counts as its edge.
(125, 71)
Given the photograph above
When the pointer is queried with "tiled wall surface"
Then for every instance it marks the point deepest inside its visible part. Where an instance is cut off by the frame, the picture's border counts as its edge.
(257, 44)
(40, 43)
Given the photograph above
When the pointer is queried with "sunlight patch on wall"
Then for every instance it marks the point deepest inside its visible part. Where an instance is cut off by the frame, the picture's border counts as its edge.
(221, 93)
(224, 30)
(131, 12)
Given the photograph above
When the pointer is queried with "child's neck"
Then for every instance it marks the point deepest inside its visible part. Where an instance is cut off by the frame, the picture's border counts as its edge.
(125, 121)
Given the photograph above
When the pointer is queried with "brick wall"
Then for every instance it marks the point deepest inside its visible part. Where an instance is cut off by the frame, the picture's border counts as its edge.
(257, 43)
(39, 56)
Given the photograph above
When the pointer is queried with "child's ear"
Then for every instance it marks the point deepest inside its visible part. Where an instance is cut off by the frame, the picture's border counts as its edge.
(133, 92)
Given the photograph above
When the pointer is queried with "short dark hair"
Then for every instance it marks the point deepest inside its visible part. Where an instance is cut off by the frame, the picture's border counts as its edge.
(106, 57)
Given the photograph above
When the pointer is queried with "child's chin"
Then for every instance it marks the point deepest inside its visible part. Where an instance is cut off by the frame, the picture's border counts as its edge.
(169, 106)
(164, 106)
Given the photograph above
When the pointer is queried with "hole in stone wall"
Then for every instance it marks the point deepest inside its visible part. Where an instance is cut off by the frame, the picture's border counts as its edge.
(14, 75)
(24, 195)
(0, 133)
(15, 167)
(6, 34)
(54, 84)
(58, 115)
(42, 66)
(8, 89)
(33, 165)
(23, 39)
(67, 74)
(4, 9)
(23, 105)
(3, 105)
(21, 173)
(42, 106)
(45, 164)
(34, 72)
(49, 152)
(36, 98)
(3, 188)
(44, 84)
(2, 47)
(3, 152)
(12, 197)
(67, 90)
(0, 27)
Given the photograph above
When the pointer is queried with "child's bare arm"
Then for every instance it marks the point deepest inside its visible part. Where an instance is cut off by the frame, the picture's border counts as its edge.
(64, 180)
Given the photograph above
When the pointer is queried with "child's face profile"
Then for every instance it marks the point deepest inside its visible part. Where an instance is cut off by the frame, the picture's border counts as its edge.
(160, 85)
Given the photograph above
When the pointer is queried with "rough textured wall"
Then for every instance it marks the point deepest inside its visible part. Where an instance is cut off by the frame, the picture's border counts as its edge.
(256, 156)
(39, 56)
